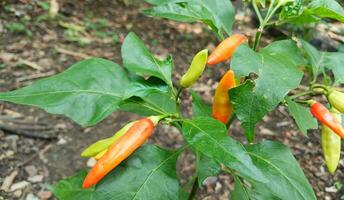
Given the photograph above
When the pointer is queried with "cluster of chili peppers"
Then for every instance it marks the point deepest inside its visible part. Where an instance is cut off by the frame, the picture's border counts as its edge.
(112, 151)
(332, 130)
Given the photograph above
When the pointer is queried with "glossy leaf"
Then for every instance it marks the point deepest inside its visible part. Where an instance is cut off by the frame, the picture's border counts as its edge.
(239, 192)
(318, 9)
(325, 60)
(87, 92)
(150, 173)
(326, 9)
(209, 137)
(334, 61)
(70, 188)
(303, 117)
(315, 58)
(149, 97)
(277, 67)
(206, 167)
(218, 14)
(138, 59)
(199, 107)
(286, 179)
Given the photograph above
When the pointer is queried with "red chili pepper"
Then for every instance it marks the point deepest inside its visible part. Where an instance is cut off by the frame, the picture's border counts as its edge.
(226, 48)
(321, 113)
(222, 108)
(121, 149)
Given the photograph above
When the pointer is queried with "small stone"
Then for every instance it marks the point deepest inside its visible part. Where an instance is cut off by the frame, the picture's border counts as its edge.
(45, 195)
(12, 137)
(30, 196)
(331, 189)
(210, 180)
(17, 193)
(61, 141)
(8, 181)
(19, 185)
(36, 179)
(218, 187)
(7, 57)
(91, 162)
(31, 170)
(2, 133)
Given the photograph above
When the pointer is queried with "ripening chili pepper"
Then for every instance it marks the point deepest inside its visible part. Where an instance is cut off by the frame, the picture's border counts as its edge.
(222, 107)
(321, 113)
(121, 149)
(331, 145)
(336, 99)
(226, 48)
(101, 145)
(195, 70)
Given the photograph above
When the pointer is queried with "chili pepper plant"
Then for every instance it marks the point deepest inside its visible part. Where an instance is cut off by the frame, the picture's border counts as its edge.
(259, 78)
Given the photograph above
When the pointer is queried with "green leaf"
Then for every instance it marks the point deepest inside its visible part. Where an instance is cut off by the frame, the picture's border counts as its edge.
(199, 107)
(317, 9)
(87, 92)
(302, 116)
(315, 58)
(209, 137)
(150, 173)
(326, 9)
(291, 10)
(239, 192)
(70, 188)
(334, 61)
(138, 59)
(149, 97)
(218, 14)
(277, 67)
(325, 60)
(286, 179)
(206, 167)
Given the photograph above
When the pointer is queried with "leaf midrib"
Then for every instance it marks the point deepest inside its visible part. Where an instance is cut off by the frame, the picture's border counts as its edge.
(278, 170)
(152, 172)
(4, 96)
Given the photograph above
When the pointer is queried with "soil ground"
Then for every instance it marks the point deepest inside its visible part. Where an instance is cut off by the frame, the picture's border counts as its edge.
(33, 47)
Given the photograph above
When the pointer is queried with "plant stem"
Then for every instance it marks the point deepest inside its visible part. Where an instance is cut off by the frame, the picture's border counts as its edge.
(308, 102)
(257, 38)
(324, 87)
(302, 94)
(263, 23)
(194, 189)
(255, 7)
(180, 89)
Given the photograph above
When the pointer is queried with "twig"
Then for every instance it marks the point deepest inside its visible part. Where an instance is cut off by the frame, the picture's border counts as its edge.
(8, 181)
(30, 131)
(71, 53)
(30, 64)
(35, 76)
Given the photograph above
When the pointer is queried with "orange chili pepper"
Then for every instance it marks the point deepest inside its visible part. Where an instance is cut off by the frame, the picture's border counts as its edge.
(121, 149)
(321, 113)
(226, 48)
(222, 107)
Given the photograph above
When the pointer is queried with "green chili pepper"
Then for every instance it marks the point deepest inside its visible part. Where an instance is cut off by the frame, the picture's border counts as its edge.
(336, 99)
(102, 145)
(331, 145)
(195, 70)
